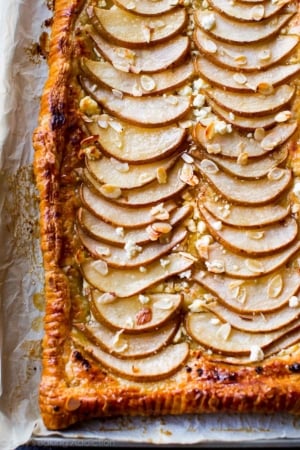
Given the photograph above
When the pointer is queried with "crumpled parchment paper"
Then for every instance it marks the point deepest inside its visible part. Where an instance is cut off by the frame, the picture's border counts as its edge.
(22, 75)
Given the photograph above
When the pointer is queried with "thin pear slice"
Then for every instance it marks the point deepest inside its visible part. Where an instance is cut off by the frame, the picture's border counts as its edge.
(110, 234)
(125, 176)
(229, 30)
(234, 143)
(246, 192)
(126, 345)
(146, 111)
(255, 323)
(252, 296)
(142, 313)
(247, 12)
(120, 216)
(138, 145)
(131, 30)
(240, 216)
(255, 167)
(136, 84)
(236, 265)
(151, 368)
(244, 82)
(256, 241)
(120, 258)
(245, 123)
(202, 327)
(125, 282)
(150, 193)
(145, 7)
(248, 57)
(148, 60)
(254, 104)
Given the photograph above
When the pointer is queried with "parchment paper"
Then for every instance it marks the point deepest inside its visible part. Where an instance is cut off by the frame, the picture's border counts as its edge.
(22, 76)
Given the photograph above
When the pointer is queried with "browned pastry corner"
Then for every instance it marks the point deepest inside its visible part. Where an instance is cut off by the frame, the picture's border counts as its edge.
(168, 170)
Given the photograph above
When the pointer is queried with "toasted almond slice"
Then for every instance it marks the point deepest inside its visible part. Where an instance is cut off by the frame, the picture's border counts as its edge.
(247, 12)
(245, 123)
(236, 265)
(118, 257)
(257, 299)
(255, 322)
(232, 144)
(268, 239)
(119, 216)
(145, 111)
(125, 28)
(125, 282)
(110, 234)
(254, 104)
(125, 82)
(247, 192)
(226, 54)
(129, 345)
(239, 216)
(229, 30)
(201, 328)
(112, 314)
(155, 367)
(139, 145)
(146, 7)
(149, 194)
(109, 170)
(222, 77)
(255, 167)
(150, 60)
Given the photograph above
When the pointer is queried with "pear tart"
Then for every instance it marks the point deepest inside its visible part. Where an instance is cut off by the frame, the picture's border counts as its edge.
(167, 165)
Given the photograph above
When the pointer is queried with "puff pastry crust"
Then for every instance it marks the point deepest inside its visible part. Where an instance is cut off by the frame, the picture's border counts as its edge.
(167, 162)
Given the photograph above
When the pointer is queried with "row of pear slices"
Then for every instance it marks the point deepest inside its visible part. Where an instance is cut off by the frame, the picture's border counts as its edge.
(254, 302)
(130, 189)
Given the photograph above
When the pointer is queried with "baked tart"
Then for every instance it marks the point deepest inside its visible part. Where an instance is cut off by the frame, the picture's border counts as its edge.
(167, 163)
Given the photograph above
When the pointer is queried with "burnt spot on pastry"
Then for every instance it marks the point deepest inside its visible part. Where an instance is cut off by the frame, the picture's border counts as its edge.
(78, 357)
(58, 117)
(295, 367)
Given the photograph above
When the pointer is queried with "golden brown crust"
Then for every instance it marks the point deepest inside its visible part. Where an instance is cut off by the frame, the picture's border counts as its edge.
(74, 386)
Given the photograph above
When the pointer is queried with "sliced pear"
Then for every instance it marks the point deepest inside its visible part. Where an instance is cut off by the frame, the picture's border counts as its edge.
(125, 282)
(145, 7)
(236, 265)
(131, 30)
(229, 30)
(148, 60)
(254, 104)
(150, 368)
(234, 143)
(105, 232)
(125, 176)
(126, 345)
(136, 84)
(240, 216)
(244, 82)
(149, 194)
(146, 111)
(255, 323)
(246, 192)
(247, 12)
(245, 123)
(136, 314)
(248, 57)
(255, 167)
(256, 241)
(118, 257)
(135, 144)
(252, 296)
(120, 215)
(203, 329)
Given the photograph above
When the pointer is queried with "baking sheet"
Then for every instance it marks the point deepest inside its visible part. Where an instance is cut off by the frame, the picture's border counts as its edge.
(22, 75)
